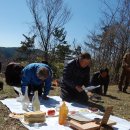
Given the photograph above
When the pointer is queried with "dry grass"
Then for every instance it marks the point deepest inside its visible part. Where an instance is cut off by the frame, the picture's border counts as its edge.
(120, 101)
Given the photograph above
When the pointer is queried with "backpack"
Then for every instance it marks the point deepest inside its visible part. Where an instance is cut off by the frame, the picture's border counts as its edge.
(13, 74)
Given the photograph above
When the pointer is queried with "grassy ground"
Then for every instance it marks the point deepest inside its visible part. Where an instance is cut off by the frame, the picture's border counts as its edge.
(120, 101)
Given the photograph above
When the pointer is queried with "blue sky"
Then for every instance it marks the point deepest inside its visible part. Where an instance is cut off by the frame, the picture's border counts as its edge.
(15, 19)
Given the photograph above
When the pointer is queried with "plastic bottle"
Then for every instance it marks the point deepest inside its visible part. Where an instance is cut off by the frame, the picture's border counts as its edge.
(63, 112)
(36, 102)
(25, 100)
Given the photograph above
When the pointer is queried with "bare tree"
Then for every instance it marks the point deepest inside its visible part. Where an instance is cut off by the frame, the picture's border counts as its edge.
(48, 15)
(111, 43)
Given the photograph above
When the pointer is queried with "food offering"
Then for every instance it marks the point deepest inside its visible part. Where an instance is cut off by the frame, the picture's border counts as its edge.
(35, 117)
(16, 115)
(51, 112)
(94, 110)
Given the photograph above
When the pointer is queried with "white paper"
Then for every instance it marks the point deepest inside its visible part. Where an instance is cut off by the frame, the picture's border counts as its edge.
(91, 115)
(90, 88)
(50, 123)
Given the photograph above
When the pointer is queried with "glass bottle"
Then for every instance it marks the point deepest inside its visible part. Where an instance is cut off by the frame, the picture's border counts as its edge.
(63, 112)
(25, 101)
(36, 102)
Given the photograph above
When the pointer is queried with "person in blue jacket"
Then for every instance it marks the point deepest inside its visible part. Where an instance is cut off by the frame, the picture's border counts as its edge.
(36, 76)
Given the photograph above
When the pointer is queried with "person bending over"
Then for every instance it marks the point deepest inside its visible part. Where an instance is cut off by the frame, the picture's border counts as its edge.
(101, 78)
(76, 74)
(36, 76)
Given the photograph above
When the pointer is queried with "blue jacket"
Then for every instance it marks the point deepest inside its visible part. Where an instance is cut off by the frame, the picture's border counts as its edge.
(29, 77)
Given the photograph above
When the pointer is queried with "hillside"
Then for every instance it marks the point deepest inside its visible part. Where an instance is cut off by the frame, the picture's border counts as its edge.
(9, 52)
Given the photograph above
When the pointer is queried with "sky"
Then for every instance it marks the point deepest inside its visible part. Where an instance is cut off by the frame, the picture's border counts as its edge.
(15, 19)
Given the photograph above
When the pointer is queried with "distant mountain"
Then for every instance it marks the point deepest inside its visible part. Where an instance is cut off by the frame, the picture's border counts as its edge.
(9, 52)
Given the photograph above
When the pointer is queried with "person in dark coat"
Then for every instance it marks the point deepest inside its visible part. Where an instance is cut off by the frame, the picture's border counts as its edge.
(76, 74)
(13, 74)
(101, 78)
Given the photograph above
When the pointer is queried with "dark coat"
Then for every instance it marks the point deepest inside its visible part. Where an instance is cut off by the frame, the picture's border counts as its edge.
(13, 74)
(98, 80)
(74, 75)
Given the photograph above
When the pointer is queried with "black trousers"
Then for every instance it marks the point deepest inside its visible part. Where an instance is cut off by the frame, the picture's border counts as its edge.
(33, 88)
(101, 90)
(72, 95)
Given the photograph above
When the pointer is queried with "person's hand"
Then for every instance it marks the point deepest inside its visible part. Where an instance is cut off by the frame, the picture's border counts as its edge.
(79, 88)
(90, 94)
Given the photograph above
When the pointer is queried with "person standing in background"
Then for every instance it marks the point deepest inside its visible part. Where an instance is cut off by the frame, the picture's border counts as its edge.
(125, 73)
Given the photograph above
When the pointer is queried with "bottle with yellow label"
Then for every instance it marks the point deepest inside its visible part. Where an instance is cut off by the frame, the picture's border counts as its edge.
(63, 112)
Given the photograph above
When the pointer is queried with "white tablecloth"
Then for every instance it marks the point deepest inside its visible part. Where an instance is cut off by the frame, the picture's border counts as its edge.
(52, 122)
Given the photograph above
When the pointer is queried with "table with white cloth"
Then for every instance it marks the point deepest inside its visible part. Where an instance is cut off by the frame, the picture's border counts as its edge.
(52, 122)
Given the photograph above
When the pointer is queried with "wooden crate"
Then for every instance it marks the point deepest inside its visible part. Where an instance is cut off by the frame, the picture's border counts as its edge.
(92, 125)
(88, 126)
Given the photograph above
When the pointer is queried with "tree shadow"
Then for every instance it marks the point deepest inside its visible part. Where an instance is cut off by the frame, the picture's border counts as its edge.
(126, 92)
(77, 104)
(112, 97)
(93, 104)
(88, 104)
(50, 103)
(2, 97)
(114, 128)
(37, 125)
(97, 101)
